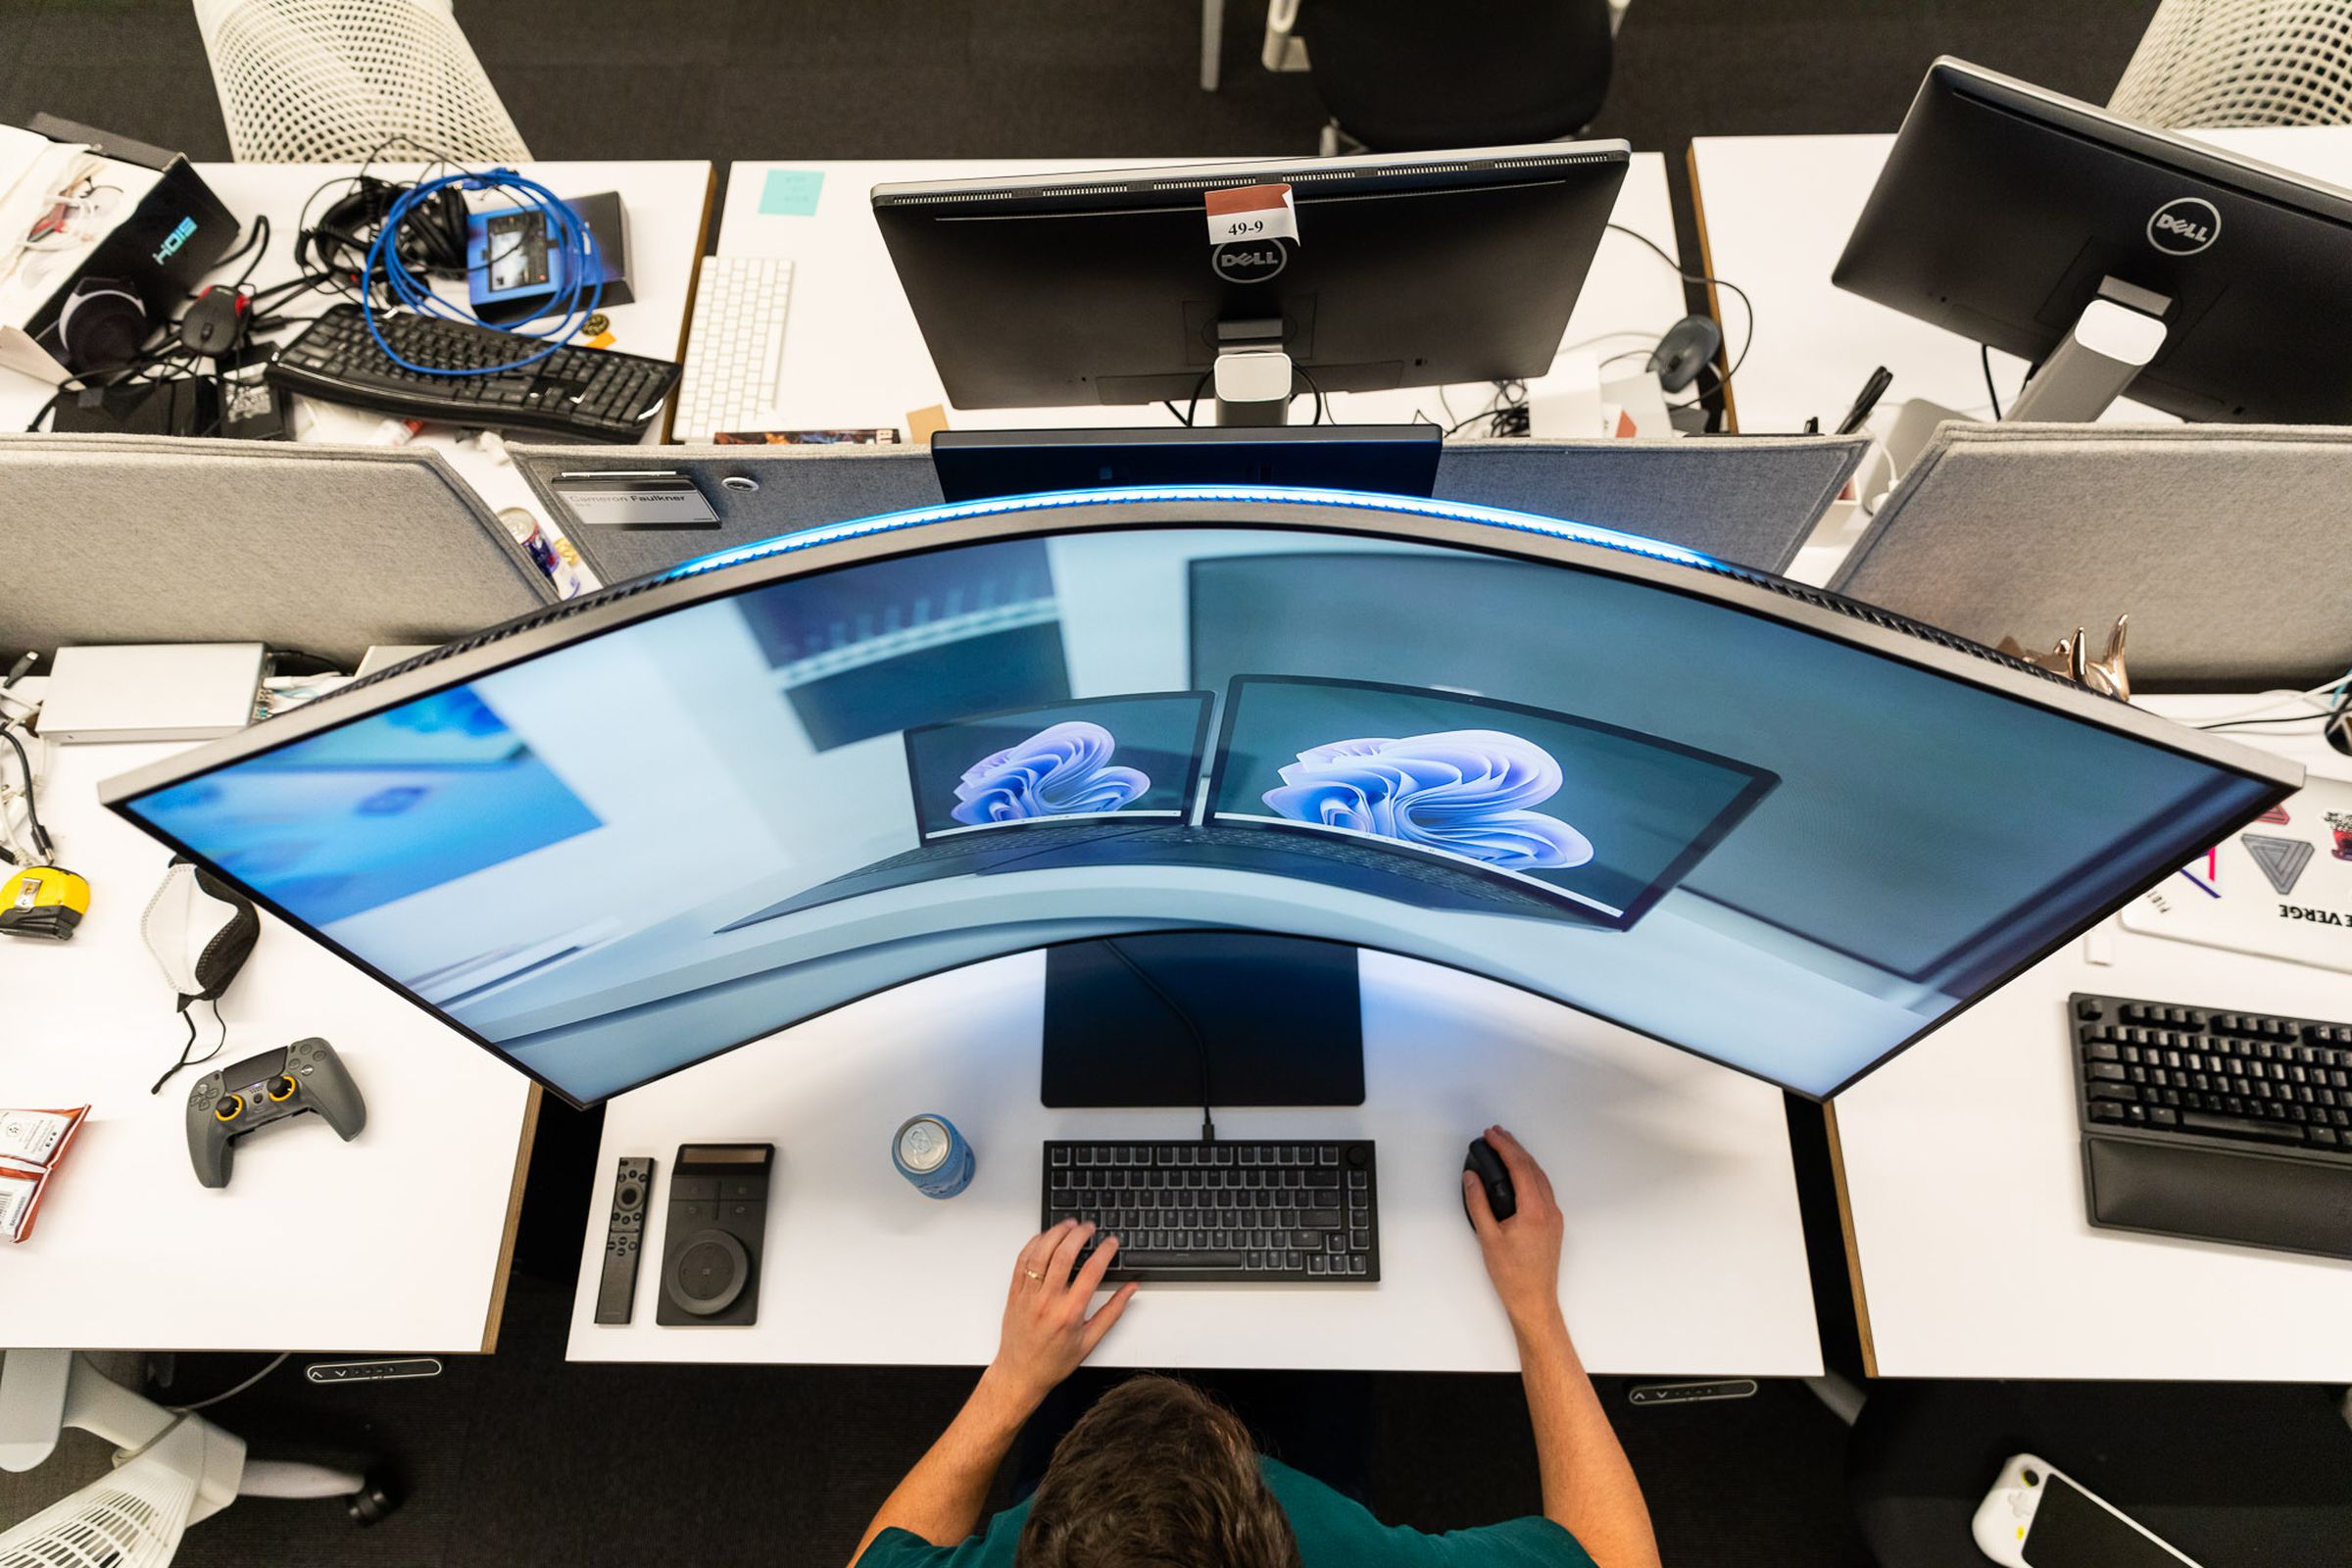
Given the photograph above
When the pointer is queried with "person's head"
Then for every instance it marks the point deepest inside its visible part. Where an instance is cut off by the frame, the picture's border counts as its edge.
(1157, 1475)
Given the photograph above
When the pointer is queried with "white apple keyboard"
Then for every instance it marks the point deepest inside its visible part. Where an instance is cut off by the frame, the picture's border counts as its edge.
(735, 347)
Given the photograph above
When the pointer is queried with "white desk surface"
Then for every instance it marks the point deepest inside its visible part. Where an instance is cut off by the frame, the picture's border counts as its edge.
(397, 1241)
(1962, 1173)
(667, 206)
(1684, 1252)
(853, 356)
(1776, 211)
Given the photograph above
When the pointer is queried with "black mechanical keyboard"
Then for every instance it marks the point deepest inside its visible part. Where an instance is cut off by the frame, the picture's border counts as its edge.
(589, 394)
(2224, 1126)
(1224, 1211)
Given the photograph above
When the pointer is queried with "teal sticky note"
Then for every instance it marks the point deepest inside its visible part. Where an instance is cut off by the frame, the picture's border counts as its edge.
(790, 192)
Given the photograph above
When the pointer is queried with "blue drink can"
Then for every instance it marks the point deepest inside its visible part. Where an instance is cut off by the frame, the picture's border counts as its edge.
(932, 1155)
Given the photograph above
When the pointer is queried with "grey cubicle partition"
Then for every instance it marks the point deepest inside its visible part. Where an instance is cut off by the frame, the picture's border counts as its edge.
(326, 550)
(1751, 500)
(2229, 545)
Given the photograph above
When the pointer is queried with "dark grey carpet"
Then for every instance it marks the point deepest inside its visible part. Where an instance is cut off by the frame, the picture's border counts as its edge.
(519, 1457)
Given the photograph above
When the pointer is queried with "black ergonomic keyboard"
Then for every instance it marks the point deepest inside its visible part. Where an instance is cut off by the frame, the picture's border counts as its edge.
(1224, 1211)
(2222, 1126)
(589, 394)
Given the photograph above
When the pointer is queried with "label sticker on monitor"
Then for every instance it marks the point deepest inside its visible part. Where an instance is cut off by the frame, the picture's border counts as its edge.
(1251, 213)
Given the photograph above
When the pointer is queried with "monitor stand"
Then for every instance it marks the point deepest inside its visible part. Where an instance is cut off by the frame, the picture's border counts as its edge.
(2113, 340)
(1282, 1019)
(1253, 374)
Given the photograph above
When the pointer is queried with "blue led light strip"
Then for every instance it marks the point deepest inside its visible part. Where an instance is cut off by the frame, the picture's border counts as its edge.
(1451, 510)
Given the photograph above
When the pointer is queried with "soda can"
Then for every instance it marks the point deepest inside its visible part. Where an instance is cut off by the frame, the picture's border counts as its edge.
(933, 1155)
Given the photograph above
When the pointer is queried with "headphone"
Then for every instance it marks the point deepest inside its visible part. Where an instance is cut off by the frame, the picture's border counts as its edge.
(99, 329)
(431, 238)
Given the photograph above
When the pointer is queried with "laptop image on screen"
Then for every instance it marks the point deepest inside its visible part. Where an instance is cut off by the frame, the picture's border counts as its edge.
(1018, 786)
(1527, 809)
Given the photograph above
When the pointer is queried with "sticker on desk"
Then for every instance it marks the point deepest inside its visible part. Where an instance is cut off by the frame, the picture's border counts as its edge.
(1249, 213)
(634, 500)
(790, 192)
(2281, 889)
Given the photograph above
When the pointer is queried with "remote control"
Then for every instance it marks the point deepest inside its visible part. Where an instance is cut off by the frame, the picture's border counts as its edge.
(625, 1239)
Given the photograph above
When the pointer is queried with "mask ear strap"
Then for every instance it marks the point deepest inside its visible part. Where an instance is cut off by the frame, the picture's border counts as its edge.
(185, 1060)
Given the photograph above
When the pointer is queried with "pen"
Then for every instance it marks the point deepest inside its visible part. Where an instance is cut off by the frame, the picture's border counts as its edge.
(1872, 390)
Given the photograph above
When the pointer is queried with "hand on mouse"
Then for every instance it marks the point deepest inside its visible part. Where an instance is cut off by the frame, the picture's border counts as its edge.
(1522, 1252)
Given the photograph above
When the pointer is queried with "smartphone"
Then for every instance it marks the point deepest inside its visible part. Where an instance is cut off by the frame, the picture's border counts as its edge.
(2038, 1517)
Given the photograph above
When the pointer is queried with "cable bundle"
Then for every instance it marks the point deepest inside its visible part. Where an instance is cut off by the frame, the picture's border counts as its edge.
(583, 287)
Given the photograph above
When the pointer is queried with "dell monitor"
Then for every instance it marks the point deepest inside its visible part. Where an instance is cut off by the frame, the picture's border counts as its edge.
(2113, 256)
(1360, 275)
(1149, 729)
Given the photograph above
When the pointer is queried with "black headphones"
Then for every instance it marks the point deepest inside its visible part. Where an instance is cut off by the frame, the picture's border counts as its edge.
(99, 329)
(431, 238)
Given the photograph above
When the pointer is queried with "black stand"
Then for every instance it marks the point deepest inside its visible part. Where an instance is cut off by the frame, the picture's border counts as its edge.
(1281, 1015)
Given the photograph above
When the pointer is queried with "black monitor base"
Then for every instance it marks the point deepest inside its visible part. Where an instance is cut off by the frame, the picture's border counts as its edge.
(1281, 1015)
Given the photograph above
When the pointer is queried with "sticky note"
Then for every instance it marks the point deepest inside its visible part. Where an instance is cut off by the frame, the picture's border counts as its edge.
(790, 192)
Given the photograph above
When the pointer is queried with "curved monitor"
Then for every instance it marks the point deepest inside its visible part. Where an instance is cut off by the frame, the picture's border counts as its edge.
(1748, 819)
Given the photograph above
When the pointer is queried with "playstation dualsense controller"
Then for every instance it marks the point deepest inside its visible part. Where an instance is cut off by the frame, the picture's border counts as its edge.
(232, 1102)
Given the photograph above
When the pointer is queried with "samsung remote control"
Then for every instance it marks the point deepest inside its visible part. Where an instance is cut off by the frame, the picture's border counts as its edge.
(624, 1237)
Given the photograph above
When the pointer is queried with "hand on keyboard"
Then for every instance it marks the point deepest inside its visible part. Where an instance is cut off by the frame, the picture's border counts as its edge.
(1047, 1330)
(1522, 1252)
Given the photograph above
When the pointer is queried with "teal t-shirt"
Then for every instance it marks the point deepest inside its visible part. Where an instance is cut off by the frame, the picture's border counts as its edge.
(1333, 1531)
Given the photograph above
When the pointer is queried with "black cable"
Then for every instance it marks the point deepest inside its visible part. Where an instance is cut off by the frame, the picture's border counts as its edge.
(1301, 370)
(1175, 412)
(254, 247)
(1746, 341)
(42, 844)
(1984, 356)
(1193, 402)
(1208, 1125)
(186, 1060)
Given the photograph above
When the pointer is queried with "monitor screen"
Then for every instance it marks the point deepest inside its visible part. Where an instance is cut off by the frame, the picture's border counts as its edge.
(1594, 821)
(1735, 815)
(1132, 756)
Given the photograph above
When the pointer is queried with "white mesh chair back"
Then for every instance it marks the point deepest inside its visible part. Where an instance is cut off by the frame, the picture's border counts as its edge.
(131, 1518)
(326, 82)
(2241, 62)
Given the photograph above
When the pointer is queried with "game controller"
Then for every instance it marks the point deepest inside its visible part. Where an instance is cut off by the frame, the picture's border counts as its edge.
(232, 1102)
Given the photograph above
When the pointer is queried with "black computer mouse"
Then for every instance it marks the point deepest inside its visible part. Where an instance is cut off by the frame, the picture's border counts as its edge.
(1688, 344)
(214, 323)
(1487, 1165)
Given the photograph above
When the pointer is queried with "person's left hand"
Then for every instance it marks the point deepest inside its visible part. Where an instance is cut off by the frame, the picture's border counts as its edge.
(1047, 1331)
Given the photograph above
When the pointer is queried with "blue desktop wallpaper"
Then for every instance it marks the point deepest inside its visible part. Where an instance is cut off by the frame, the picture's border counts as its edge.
(1814, 852)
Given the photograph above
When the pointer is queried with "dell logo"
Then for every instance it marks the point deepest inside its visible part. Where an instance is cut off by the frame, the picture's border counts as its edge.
(2185, 226)
(175, 240)
(1249, 262)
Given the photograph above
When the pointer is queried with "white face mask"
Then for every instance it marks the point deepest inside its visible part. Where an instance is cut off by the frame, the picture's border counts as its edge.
(200, 932)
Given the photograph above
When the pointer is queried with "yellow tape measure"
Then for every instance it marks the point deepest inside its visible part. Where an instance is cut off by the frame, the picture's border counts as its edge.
(43, 900)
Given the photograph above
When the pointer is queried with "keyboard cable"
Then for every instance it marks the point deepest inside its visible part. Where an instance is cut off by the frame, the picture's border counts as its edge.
(1208, 1125)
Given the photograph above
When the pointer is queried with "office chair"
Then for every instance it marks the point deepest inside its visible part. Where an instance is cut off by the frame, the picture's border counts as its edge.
(174, 1469)
(1404, 76)
(2241, 62)
(327, 81)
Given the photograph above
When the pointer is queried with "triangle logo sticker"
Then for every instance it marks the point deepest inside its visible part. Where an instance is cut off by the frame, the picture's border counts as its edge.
(2282, 859)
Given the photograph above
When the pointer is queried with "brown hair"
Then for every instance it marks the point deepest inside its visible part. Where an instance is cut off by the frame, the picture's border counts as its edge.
(1157, 1475)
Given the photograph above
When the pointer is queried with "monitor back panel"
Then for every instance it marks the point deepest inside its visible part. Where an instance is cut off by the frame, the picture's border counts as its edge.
(326, 550)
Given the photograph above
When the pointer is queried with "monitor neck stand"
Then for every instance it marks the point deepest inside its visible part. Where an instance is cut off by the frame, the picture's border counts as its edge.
(2113, 340)
(1253, 374)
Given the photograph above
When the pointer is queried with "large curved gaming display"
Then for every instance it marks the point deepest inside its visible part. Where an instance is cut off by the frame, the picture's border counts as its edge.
(1748, 818)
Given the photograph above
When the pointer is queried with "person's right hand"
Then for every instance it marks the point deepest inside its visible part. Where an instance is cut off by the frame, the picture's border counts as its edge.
(1522, 1252)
